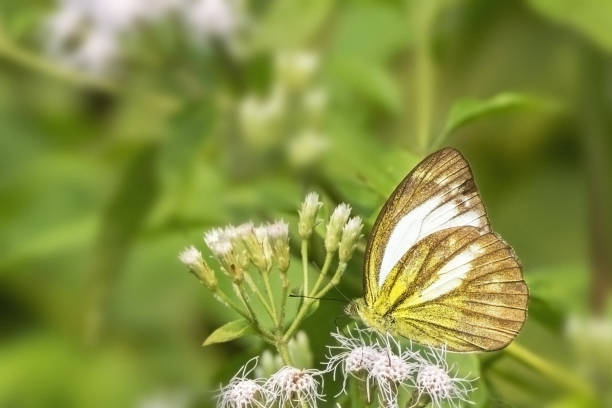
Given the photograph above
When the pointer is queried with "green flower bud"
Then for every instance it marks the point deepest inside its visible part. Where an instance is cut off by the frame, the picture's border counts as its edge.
(308, 214)
(335, 226)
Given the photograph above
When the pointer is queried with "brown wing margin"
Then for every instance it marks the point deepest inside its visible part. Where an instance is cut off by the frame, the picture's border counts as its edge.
(444, 173)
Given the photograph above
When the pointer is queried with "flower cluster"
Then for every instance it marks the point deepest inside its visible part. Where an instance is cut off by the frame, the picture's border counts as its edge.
(289, 386)
(86, 34)
(380, 361)
(248, 254)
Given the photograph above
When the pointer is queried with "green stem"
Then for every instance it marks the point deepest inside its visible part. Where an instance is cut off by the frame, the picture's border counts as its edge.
(261, 298)
(328, 260)
(304, 250)
(283, 351)
(284, 297)
(424, 13)
(250, 316)
(333, 281)
(275, 317)
(308, 301)
(552, 371)
(225, 300)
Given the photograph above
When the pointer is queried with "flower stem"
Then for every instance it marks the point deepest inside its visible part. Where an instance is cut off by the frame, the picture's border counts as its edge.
(328, 259)
(552, 371)
(284, 297)
(283, 351)
(225, 300)
(275, 317)
(261, 298)
(304, 251)
(333, 281)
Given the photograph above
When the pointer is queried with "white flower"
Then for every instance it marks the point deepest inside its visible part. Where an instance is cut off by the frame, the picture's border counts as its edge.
(336, 224)
(306, 148)
(212, 17)
(308, 214)
(242, 392)
(191, 257)
(295, 69)
(435, 379)
(219, 241)
(295, 386)
(392, 369)
(350, 235)
(355, 354)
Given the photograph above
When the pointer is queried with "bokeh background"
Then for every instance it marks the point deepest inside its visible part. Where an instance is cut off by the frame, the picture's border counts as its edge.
(127, 128)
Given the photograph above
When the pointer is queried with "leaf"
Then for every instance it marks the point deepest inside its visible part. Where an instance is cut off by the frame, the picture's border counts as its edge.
(230, 331)
(589, 17)
(290, 23)
(467, 110)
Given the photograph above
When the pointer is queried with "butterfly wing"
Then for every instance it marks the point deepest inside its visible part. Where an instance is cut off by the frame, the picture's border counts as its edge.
(458, 288)
(438, 193)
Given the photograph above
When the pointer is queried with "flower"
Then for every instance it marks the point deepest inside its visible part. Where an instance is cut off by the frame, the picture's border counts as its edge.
(295, 386)
(192, 258)
(308, 214)
(335, 226)
(354, 355)
(435, 379)
(278, 234)
(220, 242)
(295, 69)
(350, 235)
(392, 369)
(242, 392)
(306, 148)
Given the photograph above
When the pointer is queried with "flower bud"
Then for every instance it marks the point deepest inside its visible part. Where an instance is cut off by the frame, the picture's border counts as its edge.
(192, 258)
(350, 236)
(219, 242)
(308, 214)
(295, 69)
(278, 234)
(254, 247)
(263, 239)
(335, 226)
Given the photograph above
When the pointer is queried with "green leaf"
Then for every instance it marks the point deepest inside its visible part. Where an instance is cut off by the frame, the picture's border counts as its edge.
(290, 23)
(467, 110)
(589, 17)
(230, 331)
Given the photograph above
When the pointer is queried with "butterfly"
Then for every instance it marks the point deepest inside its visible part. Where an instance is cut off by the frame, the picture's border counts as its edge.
(434, 271)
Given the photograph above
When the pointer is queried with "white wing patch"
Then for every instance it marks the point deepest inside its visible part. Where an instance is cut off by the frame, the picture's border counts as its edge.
(427, 218)
(451, 275)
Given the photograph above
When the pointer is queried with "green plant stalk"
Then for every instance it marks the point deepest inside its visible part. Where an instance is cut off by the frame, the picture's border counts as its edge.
(227, 302)
(304, 250)
(284, 297)
(554, 372)
(308, 301)
(275, 316)
(261, 298)
(329, 256)
(283, 351)
(335, 280)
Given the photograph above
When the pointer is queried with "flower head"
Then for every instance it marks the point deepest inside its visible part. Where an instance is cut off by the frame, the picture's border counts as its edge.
(221, 243)
(350, 236)
(335, 226)
(435, 379)
(294, 386)
(308, 214)
(192, 258)
(242, 392)
(278, 234)
(354, 355)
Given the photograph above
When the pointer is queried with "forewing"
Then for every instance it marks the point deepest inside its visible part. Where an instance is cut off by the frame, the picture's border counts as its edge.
(457, 288)
(438, 193)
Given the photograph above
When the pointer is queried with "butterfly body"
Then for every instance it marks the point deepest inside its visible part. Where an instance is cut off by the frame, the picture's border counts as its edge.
(434, 272)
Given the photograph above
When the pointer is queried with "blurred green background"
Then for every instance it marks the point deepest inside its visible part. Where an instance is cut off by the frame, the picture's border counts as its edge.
(111, 165)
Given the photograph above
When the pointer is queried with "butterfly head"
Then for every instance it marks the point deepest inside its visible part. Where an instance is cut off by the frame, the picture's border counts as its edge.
(357, 309)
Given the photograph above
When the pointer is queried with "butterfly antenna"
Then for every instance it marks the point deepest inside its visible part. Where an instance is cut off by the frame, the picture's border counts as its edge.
(317, 298)
(342, 294)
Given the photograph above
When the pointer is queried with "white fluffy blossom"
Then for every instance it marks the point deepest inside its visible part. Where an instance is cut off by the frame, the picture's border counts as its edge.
(335, 225)
(436, 379)
(295, 386)
(243, 392)
(308, 214)
(87, 34)
(191, 257)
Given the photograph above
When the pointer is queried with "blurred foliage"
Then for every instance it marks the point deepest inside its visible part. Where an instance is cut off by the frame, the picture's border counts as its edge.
(105, 180)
